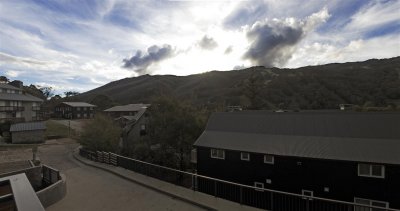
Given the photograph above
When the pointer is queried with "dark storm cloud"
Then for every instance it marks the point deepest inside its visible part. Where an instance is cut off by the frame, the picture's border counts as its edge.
(272, 44)
(139, 62)
(207, 43)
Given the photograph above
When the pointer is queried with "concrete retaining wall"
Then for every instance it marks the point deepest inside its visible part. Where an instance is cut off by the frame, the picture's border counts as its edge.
(53, 193)
(34, 175)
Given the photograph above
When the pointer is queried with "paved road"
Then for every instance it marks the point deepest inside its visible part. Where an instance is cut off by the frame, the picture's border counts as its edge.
(91, 189)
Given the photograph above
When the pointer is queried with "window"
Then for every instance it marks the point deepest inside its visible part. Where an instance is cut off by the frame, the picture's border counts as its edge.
(371, 170)
(142, 130)
(218, 153)
(269, 159)
(193, 156)
(78, 108)
(245, 156)
(369, 202)
(78, 115)
(258, 186)
(308, 193)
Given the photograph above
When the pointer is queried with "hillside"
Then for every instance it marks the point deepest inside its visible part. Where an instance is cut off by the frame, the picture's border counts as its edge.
(376, 82)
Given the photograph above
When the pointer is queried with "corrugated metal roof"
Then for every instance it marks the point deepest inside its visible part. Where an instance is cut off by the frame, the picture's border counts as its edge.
(27, 126)
(19, 97)
(129, 107)
(366, 137)
(79, 104)
(8, 86)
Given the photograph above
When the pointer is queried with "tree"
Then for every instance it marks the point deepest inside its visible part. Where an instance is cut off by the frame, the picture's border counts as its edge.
(174, 125)
(252, 89)
(4, 79)
(71, 93)
(101, 134)
(103, 102)
(47, 91)
(33, 90)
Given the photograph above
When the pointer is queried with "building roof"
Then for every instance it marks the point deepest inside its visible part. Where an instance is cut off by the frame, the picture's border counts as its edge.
(78, 104)
(8, 86)
(129, 107)
(134, 119)
(27, 126)
(129, 118)
(19, 97)
(351, 136)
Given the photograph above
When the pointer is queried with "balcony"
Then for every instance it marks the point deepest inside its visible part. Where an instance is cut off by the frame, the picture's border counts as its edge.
(36, 108)
(12, 119)
(11, 108)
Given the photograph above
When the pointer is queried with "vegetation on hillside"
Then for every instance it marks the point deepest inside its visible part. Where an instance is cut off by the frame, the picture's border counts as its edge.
(376, 82)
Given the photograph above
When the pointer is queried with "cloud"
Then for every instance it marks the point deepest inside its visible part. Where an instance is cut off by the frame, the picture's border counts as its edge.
(355, 50)
(274, 41)
(375, 15)
(228, 50)
(245, 13)
(207, 43)
(6, 58)
(155, 54)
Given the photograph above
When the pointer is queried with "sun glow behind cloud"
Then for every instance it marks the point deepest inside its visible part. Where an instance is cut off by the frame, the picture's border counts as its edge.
(82, 45)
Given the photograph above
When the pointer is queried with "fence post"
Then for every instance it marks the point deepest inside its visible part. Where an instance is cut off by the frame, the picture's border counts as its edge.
(272, 201)
(241, 195)
(215, 188)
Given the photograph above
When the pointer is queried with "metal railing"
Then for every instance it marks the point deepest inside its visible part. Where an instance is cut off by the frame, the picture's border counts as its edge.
(244, 194)
(11, 108)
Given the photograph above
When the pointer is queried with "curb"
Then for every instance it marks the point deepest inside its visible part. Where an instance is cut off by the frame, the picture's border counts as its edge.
(172, 195)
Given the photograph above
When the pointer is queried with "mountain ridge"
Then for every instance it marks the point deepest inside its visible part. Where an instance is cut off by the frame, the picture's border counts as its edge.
(374, 81)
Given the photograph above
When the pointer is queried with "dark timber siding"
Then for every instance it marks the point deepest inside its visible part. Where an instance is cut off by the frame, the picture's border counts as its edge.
(292, 174)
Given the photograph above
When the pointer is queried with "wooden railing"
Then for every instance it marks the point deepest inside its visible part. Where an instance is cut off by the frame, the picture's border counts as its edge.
(12, 119)
(11, 108)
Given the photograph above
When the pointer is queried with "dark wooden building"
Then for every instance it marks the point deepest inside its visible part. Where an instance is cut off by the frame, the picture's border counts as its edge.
(74, 110)
(347, 156)
(125, 110)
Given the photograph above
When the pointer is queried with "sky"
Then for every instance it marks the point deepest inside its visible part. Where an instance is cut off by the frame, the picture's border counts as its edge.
(78, 45)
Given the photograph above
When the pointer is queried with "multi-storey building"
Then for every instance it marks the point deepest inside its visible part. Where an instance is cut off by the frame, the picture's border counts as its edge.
(125, 110)
(349, 156)
(18, 106)
(75, 110)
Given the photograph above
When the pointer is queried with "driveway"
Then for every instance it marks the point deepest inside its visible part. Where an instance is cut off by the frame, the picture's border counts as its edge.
(89, 188)
(76, 125)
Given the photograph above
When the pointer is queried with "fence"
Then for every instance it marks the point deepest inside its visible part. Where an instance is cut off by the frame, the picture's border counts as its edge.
(50, 175)
(244, 194)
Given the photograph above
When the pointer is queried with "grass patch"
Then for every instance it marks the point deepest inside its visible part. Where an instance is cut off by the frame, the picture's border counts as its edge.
(57, 130)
